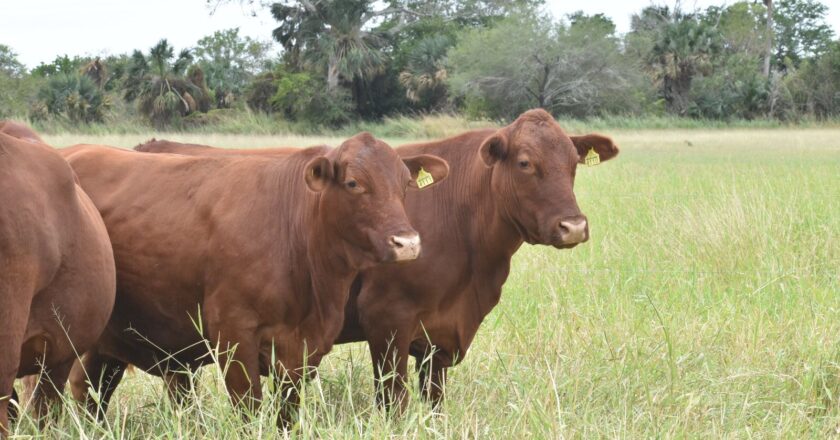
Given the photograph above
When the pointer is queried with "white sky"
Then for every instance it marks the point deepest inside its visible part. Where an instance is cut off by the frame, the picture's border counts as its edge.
(40, 30)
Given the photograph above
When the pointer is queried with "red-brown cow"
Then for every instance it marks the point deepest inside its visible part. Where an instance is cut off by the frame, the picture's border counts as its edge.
(57, 276)
(257, 252)
(506, 187)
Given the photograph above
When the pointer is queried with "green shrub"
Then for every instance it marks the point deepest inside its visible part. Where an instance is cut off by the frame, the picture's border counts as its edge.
(304, 98)
(734, 90)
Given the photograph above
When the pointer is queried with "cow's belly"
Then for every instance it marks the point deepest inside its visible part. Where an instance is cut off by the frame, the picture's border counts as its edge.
(149, 326)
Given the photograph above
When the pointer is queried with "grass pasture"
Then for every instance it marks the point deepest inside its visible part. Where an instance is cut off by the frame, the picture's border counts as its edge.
(706, 304)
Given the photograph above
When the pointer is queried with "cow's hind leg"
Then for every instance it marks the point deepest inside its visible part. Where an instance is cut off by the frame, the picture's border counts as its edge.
(14, 314)
(50, 387)
(103, 372)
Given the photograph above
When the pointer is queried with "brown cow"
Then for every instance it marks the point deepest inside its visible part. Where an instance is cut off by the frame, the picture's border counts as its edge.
(20, 131)
(57, 276)
(506, 187)
(256, 253)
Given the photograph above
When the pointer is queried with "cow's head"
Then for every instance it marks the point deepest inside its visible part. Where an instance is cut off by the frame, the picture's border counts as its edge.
(534, 163)
(363, 184)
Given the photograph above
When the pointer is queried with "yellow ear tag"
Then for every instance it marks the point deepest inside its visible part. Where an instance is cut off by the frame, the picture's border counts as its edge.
(592, 158)
(424, 178)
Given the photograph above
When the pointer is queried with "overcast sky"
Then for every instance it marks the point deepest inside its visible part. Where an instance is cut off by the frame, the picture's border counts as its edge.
(39, 30)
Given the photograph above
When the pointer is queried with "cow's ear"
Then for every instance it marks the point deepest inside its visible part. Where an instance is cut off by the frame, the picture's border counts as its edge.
(602, 145)
(426, 170)
(318, 173)
(493, 149)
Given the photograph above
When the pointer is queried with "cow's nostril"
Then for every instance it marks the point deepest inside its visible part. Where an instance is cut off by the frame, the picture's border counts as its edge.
(563, 229)
(405, 247)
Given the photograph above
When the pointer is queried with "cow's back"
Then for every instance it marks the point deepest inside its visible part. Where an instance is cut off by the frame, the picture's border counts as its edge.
(165, 146)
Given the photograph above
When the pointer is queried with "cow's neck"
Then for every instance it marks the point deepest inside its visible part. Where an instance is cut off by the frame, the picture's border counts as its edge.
(496, 234)
(331, 273)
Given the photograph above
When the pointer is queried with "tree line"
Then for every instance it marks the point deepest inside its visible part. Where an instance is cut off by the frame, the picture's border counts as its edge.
(346, 60)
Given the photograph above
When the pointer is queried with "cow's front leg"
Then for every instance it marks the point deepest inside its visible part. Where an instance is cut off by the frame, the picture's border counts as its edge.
(288, 379)
(239, 360)
(233, 331)
(389, 354)
(389, 335)
(432, 369)
(292, 368)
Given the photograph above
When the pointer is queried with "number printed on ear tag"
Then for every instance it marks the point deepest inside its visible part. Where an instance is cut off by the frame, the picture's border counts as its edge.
(424, 178)
(592, 158)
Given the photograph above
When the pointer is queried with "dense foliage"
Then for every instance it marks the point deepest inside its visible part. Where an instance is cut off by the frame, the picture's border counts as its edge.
(340, 61)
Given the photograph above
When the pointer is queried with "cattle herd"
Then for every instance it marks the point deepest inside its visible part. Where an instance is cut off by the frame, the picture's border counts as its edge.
(266, 258)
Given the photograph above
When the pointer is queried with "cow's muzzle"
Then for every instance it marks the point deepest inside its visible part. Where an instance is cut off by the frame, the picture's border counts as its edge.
(405, 247)
(572, 232)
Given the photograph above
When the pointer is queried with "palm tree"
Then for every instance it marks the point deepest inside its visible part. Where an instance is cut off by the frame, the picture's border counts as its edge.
(334, 35)
(683, 47)
(75, 97)
(424, 77)
(160, 85)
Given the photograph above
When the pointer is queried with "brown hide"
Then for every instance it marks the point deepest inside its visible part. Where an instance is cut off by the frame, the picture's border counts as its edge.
(246, 251)
(57, 277)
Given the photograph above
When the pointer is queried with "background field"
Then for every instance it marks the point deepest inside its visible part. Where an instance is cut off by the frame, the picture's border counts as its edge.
(706, 304)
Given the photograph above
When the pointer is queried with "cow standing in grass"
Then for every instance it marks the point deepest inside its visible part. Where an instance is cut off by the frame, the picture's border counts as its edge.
(57, 276)
(506, 187)
(254, 255)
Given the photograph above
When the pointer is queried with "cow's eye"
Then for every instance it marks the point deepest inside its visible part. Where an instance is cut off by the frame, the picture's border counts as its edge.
(524, 164)
(353, 186)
